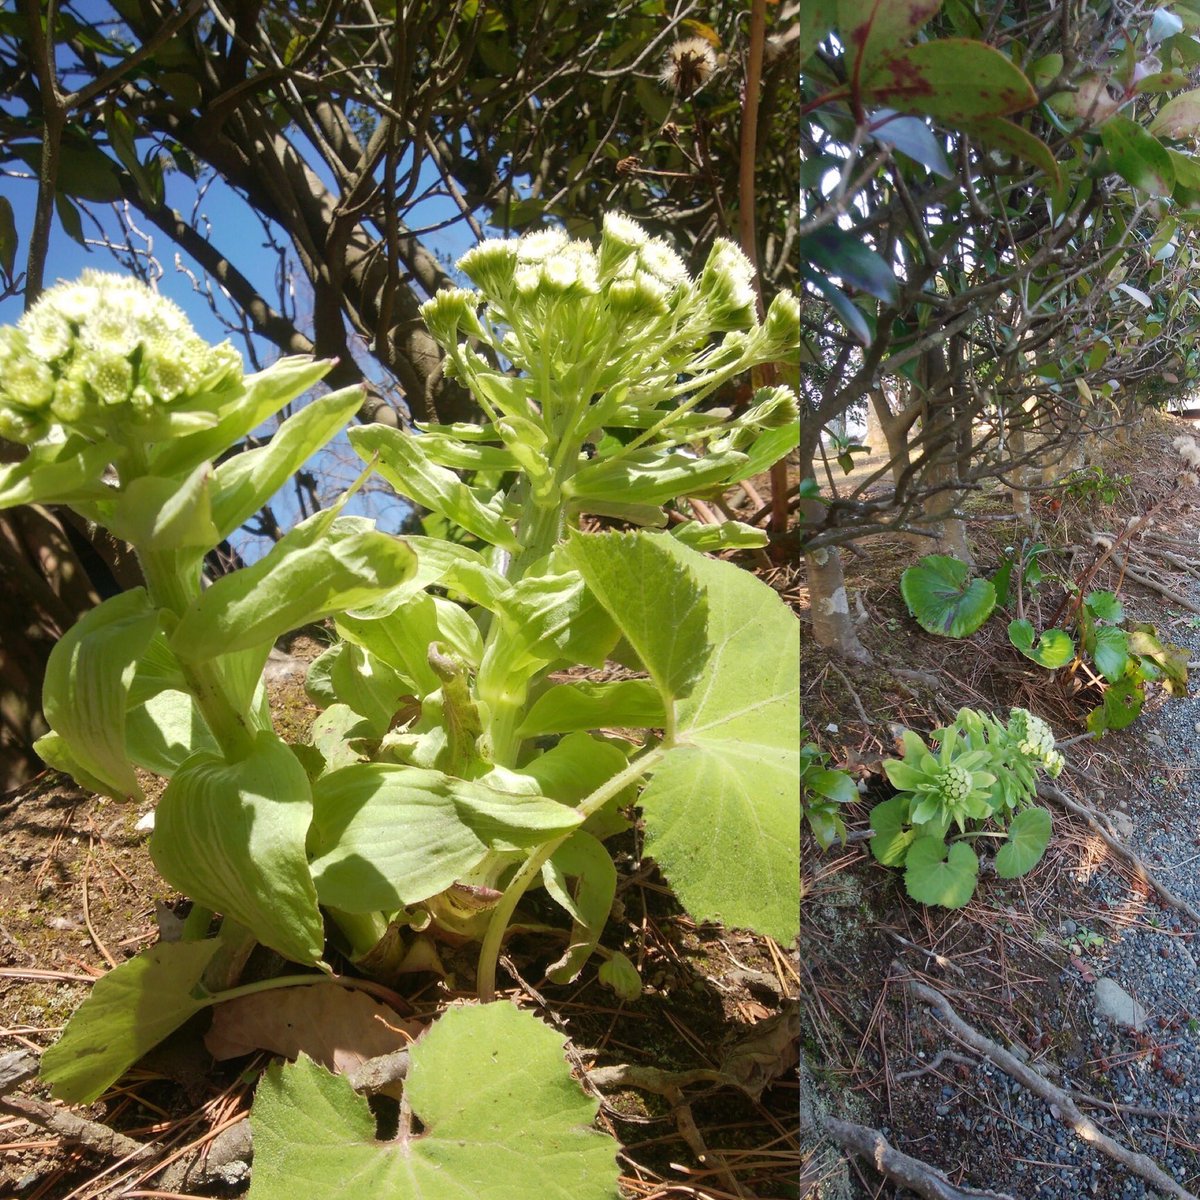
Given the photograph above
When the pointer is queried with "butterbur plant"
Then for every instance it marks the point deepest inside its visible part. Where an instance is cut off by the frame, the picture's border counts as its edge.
(462, 757)
(982, 773)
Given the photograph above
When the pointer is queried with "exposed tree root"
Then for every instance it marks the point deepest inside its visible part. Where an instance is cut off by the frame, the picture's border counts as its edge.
(1064, 1104)
(1114, 843)
(899, 1167)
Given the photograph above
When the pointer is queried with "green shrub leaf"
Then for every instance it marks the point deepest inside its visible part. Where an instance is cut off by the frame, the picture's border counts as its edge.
(942, 600)
(935, 875)
(1111, 652)
(1054, 649)
(501, 1119)
(1105, 606)
(1028, 837)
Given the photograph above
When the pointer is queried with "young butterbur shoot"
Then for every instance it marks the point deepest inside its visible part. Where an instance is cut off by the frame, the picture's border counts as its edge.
(822, 792)
(983, 774)
(451, 769)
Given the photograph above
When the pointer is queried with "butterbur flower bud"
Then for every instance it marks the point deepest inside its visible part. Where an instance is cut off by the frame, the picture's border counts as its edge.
(101, 356)
(620, 241)
(727, 286)
(539, 246)
(490, 266)
(782, 325)
(450, 311)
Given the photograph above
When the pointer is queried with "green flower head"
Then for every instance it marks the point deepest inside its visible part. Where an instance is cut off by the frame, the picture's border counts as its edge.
(102, 356)
(946, 787)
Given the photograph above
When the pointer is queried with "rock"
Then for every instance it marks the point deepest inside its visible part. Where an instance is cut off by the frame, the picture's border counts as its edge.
(1122, 825)
(1067, 928)
(1117, 1006)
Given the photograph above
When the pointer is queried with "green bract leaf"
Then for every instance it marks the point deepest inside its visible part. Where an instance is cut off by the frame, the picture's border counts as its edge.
(650, 477)
(1055, 648)
(581, 876)
(260, 397)
(728, 535)
(720, 810)
(87, 682)
(349, 674)
(1111, 652)
(893, 834)
(165, 731)
(130, 1010)
(402, 639)
(1028, 837)
(654, 600)
(317, 569)
(231, 836)
(553, 617)
(244, 483)
(404, 465)
(56, 473)
(500, 1115)
(833, 785)
(942, 601)
(934, 876)
(1137, 156)
(385, 836)
(621, 704)
(156, 513)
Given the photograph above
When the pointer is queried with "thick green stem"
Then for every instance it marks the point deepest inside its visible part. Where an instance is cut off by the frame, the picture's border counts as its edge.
(489, 952)
(364, 931)
(174, 586)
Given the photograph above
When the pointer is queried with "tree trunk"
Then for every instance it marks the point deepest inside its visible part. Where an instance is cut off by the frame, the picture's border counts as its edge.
(942, 433)
(832, 625)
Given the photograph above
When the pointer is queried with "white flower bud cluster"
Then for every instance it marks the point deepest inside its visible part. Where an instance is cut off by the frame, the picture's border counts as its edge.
(1035, 739)
(99, 354)
(630, 301)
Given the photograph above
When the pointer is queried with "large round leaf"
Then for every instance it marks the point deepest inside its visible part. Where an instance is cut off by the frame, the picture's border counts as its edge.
(1028, 837)
(943, 600)
(934, 875)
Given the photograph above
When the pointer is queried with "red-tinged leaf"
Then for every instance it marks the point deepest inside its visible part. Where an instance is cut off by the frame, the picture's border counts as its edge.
(1179, 117)
(1138, 157)
(1085, 972)
(872, 29)
(336, 1026)
(954, 79)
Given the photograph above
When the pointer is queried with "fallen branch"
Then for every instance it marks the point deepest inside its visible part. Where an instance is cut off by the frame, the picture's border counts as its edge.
(1114, 843)
(1063, 1103)
(899, 1167)
(91, 1134)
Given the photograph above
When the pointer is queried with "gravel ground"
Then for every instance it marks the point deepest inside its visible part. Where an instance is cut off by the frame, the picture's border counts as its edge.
(1155, 962)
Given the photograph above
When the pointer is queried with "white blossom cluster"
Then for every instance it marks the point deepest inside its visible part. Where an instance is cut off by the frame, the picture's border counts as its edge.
(1035, 739)
(631, 300)
(99, 354)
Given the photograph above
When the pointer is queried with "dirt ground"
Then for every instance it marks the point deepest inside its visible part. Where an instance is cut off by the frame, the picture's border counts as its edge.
(78, 894)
